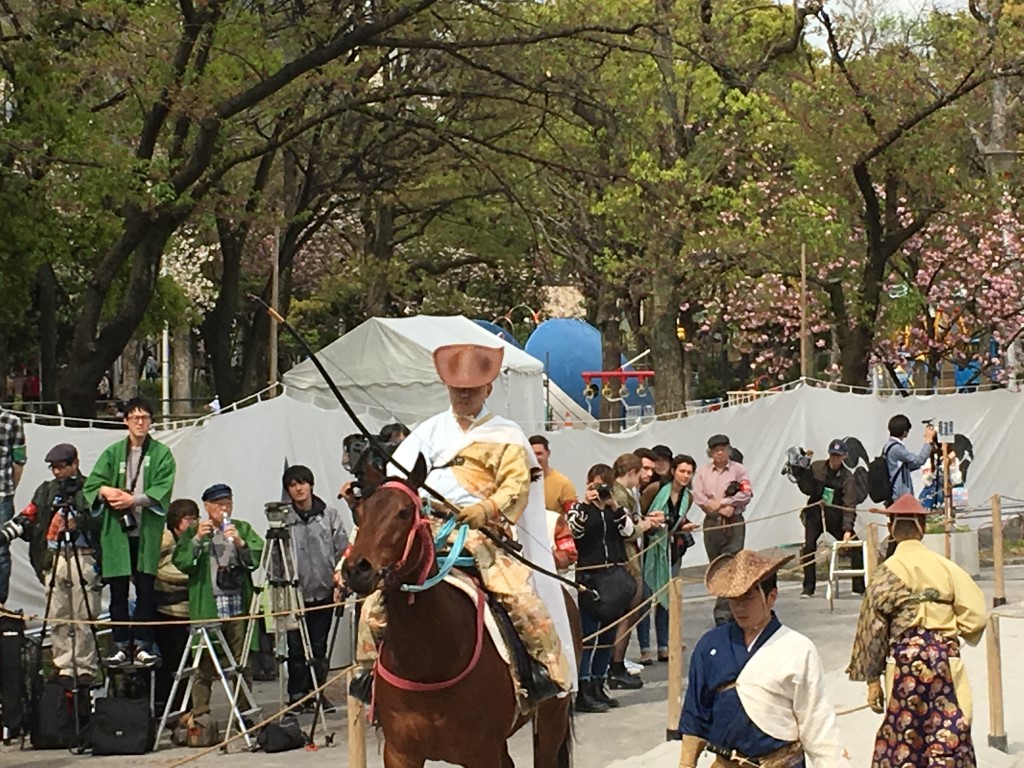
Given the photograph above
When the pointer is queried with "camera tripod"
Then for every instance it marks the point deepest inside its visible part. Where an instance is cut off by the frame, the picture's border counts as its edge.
(68, 553)
(277, 575)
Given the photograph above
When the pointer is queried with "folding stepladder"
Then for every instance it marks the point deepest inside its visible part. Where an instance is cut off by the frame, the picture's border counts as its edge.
(835, 572)
(207, 639)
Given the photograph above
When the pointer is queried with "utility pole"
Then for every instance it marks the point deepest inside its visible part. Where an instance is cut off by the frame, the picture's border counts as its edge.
(804, 345)
(275, 279)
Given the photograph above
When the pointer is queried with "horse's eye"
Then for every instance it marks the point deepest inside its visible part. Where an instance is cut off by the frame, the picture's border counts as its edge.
(404, 513)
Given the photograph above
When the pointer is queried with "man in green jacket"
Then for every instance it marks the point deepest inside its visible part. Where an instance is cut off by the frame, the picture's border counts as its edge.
(219, 555)
(130, 487)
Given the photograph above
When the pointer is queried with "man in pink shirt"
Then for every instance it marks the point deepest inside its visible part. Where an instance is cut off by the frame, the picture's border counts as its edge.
(722, 489)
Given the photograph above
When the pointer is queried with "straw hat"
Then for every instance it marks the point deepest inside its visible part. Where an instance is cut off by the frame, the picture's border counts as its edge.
(734, 575)
(468, 366)
(906, 505)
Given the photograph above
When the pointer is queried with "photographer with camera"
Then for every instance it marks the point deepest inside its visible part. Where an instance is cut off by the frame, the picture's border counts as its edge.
(600, 527)
(218, 554)
(319, 537)
(130, 489)
(63, 545)
(899, 461)
(831, 497)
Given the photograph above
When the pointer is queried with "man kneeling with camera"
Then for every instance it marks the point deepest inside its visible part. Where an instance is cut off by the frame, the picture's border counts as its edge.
(63, 544)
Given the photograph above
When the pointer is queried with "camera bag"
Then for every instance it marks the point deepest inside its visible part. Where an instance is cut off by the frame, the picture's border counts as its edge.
(282, 736)
(12, 675)
(614, 586)
(53, 718)
(122, 727)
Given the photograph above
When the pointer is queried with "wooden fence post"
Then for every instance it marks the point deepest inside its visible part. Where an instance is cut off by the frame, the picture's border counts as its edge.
(872, 561)
(996, 729)
(675, 658)
(356, 726)
(999, 598)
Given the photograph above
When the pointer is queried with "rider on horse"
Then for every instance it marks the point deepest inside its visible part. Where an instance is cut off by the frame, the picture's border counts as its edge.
(484, 465)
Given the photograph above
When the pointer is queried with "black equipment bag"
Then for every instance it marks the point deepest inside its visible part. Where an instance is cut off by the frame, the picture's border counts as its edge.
(13, 694)
(53, 718)
(122, 727)
(880, 484)
(282, 736)
(615, 588)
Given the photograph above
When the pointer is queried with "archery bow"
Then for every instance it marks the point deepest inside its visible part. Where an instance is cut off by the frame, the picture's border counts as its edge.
(511, 547)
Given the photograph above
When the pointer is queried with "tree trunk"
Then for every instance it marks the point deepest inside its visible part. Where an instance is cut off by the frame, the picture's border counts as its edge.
(46, 291)
(609, 412)
(378, 221)
(94, 349)
(666, 350)
(181, 376)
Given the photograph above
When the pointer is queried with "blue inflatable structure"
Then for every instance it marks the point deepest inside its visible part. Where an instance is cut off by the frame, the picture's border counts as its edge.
(497, 330)
(568, 347)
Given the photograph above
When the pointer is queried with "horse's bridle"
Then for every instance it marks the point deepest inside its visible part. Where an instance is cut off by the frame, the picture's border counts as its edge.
(420, 529)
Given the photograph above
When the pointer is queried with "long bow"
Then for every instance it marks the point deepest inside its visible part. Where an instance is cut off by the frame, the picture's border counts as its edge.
(511, 547)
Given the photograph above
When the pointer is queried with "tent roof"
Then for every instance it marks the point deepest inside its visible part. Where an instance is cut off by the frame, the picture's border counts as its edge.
(399, 352)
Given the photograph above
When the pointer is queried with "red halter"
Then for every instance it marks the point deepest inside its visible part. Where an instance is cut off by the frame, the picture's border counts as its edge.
(420, 529)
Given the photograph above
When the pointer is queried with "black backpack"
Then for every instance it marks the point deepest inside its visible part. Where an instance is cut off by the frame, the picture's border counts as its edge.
(879, 482)
(13, 692)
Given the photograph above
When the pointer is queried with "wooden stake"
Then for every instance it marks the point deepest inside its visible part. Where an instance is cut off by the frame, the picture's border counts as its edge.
(947, 498)
(999, 598)
(356, 728)
(675, 658)
(996, 729)
(804, 341)
(872, 561)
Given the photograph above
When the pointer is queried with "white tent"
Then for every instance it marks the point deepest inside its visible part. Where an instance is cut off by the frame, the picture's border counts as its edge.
(385, 368)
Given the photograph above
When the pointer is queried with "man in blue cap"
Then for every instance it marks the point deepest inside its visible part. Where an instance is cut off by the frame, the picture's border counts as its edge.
(831, 498)
(218, 554)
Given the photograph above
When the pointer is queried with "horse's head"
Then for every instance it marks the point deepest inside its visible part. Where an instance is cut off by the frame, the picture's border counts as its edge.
(388, 546)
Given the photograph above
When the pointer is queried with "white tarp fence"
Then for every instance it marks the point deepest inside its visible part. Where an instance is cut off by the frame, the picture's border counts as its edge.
(247, 449)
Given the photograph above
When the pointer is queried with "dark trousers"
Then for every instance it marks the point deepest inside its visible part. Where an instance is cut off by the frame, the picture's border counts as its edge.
(723, 536)
(815, 524)
(300, 682)
(597, 653)
(145, 603)
(171, 639)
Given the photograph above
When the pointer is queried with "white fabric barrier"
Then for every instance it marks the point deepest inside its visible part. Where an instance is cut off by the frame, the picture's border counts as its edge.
(247, 449)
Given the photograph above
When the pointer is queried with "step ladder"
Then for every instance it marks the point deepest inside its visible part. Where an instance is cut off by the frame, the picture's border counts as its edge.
(206, 639)
(835, 572)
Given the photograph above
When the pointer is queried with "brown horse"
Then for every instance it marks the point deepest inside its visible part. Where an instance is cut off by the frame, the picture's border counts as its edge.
(462, 708)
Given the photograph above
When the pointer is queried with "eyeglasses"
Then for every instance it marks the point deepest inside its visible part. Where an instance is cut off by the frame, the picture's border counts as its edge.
(60, 465)
(141, 419)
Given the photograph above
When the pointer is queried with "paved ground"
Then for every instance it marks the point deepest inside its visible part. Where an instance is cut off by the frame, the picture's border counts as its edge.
(633, 735)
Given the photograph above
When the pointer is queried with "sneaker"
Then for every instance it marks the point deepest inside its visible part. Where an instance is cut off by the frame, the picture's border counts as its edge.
(118, 658)
(633, 668)
(806, 593)
(146, 658)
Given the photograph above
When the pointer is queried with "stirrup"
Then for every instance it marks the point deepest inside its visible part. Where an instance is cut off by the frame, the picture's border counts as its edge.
(361, 687)
(539, 686)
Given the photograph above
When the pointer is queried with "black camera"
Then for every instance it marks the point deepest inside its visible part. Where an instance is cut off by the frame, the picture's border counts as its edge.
(797, 460)
(14, 528)
(732, 489)
(128, 521)
(358, 453)
(604, 491)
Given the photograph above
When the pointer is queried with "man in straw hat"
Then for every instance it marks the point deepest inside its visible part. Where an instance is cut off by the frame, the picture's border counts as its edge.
(484, 465)
(917, 606)
(756, 693)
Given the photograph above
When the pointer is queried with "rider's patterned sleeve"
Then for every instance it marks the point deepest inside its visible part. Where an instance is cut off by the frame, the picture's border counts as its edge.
(498, 474)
